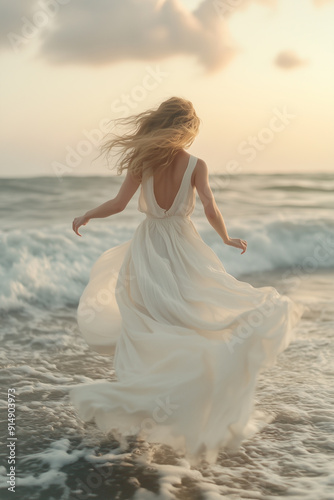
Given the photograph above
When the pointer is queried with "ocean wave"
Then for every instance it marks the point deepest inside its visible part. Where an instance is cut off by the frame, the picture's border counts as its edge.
(49, 267)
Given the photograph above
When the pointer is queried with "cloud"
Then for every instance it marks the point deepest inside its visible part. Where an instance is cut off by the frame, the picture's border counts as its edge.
(86, 32)
(287, 59)
(102, 32)
(11, 14)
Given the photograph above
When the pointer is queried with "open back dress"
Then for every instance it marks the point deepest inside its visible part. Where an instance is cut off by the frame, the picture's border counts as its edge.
(188, 339)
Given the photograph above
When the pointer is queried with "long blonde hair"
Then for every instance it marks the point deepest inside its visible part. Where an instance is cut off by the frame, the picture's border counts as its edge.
(157, 137)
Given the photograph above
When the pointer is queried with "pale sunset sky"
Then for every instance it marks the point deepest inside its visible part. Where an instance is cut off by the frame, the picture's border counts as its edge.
(260, 75)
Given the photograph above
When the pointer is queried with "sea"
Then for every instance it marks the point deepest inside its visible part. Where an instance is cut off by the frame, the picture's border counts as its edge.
(47, 453)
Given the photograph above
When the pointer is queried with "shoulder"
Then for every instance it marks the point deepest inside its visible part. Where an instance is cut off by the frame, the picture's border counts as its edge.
(201, 169)
(200, 173)
(136, 177)
(200, 164)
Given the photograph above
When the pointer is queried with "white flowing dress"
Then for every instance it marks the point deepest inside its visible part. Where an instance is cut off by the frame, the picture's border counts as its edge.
(188, 339)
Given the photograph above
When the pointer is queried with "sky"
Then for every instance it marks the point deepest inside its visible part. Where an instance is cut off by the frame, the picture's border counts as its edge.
(259, 73)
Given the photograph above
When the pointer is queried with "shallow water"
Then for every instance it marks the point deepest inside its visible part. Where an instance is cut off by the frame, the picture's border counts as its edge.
(44, 268)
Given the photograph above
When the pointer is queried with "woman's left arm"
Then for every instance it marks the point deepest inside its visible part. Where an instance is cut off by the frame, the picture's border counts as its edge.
(111, 207)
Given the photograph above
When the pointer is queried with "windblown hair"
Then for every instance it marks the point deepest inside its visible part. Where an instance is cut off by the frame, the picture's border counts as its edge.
(157, 136)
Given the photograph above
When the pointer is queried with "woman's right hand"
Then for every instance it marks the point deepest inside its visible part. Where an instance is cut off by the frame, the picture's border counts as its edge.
(237, 243)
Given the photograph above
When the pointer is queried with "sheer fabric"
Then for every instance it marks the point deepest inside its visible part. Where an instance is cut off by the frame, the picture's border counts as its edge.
(188, 339)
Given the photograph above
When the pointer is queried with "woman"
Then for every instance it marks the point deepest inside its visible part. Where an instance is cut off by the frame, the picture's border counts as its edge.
(188, 339)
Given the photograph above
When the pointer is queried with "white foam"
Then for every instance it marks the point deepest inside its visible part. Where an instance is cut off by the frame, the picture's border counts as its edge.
(49, 268)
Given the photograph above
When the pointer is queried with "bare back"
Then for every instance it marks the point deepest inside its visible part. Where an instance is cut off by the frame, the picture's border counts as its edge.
(167, 184)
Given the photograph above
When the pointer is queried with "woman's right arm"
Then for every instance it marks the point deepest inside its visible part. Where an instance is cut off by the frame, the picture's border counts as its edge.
(212, 212)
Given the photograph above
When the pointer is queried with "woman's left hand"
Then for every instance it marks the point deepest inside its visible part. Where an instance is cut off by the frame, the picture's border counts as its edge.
(79, 221)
